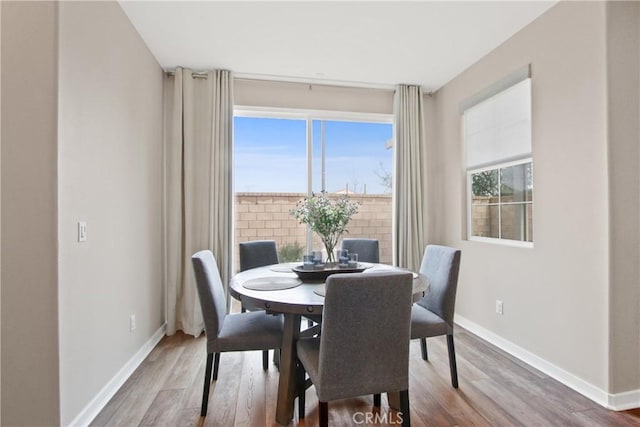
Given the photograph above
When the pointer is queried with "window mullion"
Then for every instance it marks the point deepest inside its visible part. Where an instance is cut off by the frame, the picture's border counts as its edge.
(309, 175)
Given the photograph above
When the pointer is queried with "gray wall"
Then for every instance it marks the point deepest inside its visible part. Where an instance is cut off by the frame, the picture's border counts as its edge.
(81, 140)
(0, 211)
(29, 217)
(623, 51)
(110, 175)
(573, 299)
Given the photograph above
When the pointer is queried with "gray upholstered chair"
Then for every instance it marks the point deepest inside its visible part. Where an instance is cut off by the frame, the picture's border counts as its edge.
(433, 314)
(367, 249)
(364, 344)
(257, 253)
(253, 254)
(237, 332)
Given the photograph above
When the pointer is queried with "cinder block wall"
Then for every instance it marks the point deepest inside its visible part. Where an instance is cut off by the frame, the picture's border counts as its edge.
(265, 216)
(486, 223)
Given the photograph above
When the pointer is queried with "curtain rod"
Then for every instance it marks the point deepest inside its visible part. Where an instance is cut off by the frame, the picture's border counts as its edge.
(203, 75)
(194, 75)
(276, 79)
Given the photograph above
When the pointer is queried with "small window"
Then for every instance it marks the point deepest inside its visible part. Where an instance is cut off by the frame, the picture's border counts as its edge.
(497, 134)
(502, 202)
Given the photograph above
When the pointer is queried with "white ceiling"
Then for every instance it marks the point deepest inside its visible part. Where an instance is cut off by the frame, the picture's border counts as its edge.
(359, 43)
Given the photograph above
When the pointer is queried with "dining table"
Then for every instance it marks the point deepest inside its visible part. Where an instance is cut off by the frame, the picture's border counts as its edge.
(278, 290)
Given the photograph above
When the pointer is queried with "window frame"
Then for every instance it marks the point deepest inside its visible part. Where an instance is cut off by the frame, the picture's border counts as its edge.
(309, 115)
(496, 89)
(498, 240)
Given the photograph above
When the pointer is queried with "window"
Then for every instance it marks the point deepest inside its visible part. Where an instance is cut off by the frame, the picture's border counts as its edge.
(262, 148)
(497, 132)
(282, 156)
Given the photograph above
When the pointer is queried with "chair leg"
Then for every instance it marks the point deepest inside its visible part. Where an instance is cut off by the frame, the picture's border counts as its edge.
(216, 363)
(376, 400)
(324, 414)
(404, 408)
(452, 361)
(423, 347)
(265, 360)
(276, 357)
(207, 383)
(300, 380)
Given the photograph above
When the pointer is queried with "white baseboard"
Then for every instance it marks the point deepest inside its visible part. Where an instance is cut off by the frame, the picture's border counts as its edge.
(96, 405)
(624, 401)
(617, 402)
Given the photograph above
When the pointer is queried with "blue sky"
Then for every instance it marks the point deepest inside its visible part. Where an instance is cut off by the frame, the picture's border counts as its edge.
(270, 155)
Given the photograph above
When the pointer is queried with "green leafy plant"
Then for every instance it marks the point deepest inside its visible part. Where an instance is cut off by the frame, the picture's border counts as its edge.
(326, 216)
(290, 252)
(485, 184)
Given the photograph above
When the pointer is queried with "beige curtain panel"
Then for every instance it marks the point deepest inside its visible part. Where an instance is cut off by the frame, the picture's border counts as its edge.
(198, 187)
(410, 225)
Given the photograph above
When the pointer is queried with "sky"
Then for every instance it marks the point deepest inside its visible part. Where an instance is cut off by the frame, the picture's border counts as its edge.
(270, 155)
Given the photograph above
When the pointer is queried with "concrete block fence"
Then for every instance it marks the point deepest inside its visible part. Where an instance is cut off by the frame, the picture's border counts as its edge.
(265, 216)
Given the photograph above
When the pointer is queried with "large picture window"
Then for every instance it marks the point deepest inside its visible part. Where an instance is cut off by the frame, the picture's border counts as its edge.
(497, 134)
(282, 156)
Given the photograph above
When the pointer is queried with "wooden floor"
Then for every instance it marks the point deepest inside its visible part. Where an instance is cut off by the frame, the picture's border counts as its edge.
(495, 390)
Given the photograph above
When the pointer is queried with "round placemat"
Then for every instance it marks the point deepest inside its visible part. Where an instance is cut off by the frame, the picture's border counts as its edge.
(272, 283)
(281, 269)
(320, 290)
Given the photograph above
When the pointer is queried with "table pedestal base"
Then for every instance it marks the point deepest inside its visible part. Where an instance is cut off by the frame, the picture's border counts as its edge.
(287, 382)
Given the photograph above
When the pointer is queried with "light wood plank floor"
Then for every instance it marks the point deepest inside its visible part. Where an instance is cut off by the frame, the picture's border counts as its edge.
(495, 390)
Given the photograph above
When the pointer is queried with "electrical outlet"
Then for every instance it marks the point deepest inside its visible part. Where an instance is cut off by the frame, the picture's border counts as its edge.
(132, 323)
(82, 231)
(499, 307)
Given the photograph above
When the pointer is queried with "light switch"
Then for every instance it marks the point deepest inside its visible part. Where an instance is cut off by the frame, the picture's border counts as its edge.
(82, 231)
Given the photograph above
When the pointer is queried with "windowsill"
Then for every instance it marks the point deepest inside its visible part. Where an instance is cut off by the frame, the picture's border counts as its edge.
(503, 242)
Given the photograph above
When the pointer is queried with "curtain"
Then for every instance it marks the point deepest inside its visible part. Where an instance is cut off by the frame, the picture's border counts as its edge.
(198, 187)
(410, 224)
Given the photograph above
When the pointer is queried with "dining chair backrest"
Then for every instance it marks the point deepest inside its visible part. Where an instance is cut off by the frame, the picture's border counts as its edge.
(367, 249)
(257, 253)
(210, 291)
(364, 345)
(441, 264)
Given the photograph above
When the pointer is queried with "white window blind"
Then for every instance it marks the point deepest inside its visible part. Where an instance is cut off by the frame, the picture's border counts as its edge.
(498, 129)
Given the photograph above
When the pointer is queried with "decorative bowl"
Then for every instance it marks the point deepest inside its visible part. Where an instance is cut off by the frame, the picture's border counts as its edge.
(322, 274)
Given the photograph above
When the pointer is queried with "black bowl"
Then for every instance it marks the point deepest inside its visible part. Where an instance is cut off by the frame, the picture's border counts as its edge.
(322, 274)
